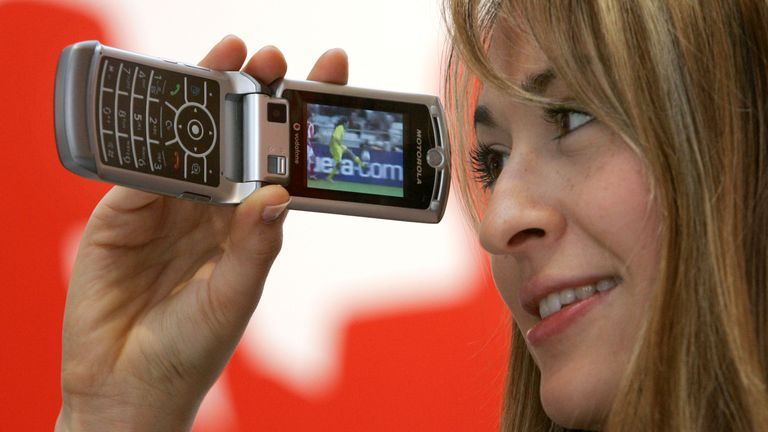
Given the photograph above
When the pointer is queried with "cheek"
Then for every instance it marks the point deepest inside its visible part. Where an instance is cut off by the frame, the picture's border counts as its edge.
(623, 200)
(508, 276)
(505, 274)
(619, 212)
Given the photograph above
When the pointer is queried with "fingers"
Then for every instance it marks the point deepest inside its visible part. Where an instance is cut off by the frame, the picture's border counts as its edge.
(228, 54)
(255, 239)
(123, 217)
(332, 67)
(123, 199)
(267, 65)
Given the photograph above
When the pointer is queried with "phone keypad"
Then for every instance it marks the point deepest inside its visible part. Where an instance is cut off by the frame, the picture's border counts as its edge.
(157, 121)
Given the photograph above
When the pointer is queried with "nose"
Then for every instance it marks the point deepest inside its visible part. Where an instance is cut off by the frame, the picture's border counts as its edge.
(521, 218)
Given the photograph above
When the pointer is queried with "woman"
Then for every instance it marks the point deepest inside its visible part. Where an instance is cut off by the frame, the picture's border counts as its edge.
(623, 149)
(620, 185)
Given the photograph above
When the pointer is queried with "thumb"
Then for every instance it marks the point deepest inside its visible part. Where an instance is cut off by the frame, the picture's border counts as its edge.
(255, 238)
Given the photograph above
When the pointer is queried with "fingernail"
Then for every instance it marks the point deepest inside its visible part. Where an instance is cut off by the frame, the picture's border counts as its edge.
(267, 48)
(336, 50)
(273, 212)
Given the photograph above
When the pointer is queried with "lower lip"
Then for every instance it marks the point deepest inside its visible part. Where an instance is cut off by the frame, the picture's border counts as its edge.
(564, 318)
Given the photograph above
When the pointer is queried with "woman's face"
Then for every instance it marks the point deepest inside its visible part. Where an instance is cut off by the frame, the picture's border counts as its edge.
(573, 235)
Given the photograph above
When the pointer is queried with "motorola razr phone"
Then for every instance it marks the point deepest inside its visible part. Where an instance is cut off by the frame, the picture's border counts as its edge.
(213, 136)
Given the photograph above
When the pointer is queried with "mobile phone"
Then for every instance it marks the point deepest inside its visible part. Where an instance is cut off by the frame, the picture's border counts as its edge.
(213, 136)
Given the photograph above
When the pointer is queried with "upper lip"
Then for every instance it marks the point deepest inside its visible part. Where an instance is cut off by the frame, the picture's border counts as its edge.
(539, 287)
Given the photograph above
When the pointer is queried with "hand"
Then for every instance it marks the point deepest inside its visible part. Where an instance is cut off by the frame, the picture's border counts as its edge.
(162, 288)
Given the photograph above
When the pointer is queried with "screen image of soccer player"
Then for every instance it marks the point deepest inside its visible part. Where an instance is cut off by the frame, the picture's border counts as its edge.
(355, 150)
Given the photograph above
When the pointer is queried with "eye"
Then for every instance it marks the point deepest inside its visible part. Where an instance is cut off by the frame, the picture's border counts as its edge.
(566, 119)
(487, 163)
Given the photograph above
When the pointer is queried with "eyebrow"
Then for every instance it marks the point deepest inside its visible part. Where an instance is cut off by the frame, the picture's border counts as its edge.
(535, 83)
(484, 117)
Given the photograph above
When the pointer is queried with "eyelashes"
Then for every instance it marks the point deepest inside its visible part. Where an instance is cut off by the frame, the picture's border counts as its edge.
(486, 164)
(488, 161)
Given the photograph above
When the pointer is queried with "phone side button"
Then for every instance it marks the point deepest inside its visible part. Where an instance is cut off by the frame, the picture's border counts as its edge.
(196, 66)
(195, 197)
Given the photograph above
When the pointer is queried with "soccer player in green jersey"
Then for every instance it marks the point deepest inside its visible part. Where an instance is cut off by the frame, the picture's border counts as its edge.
(338, 148)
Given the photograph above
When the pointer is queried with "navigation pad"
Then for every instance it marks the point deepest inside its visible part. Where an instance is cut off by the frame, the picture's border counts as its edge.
(159, 122)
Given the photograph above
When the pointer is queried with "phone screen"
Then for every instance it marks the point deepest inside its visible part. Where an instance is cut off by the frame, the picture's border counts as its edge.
(355, 150)
(361, 150)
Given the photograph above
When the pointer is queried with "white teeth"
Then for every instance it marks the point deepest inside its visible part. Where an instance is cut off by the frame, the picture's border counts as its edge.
(606, 284)
(585, 291)
(555, 301)
(567, 296)
(544, 309)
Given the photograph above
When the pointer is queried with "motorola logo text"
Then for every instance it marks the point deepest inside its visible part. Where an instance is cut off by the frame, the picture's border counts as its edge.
(419, 154)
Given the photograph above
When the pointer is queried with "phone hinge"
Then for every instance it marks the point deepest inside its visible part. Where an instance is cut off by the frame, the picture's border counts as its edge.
(266, 139)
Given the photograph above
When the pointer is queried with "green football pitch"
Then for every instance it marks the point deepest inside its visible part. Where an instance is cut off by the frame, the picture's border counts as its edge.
(338, 185)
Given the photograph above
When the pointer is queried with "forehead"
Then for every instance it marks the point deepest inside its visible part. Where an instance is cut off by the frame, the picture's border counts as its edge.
(514, 52)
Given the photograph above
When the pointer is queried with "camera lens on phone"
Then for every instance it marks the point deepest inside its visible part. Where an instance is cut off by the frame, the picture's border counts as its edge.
(277, 113)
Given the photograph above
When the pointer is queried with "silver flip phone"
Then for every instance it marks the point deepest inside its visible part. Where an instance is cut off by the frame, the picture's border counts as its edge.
(213, 136)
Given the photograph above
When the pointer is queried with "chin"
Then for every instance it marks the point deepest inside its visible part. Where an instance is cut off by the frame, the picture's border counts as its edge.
(577, 400)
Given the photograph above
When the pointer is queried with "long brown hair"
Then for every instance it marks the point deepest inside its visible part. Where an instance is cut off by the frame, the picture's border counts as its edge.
(685, 83)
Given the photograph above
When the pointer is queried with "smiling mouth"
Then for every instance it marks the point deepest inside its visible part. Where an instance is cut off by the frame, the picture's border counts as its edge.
(554, 302)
